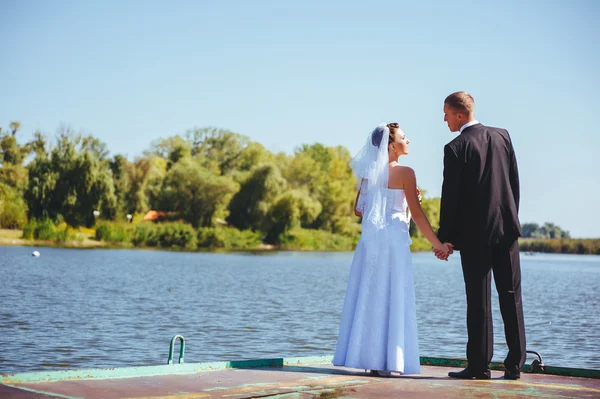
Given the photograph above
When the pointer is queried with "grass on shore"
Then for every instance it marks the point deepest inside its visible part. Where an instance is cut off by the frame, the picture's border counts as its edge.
(11, 234)
(296, 239)
(182, 237)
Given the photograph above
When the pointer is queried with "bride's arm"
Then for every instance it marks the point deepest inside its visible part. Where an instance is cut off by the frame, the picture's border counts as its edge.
(412, 197)
(356, 211)
(359, 202)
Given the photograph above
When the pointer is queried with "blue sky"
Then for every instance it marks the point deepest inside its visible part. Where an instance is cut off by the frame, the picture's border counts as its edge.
(287, 73)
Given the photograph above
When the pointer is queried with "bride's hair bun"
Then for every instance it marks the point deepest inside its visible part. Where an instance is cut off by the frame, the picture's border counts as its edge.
(377, 134)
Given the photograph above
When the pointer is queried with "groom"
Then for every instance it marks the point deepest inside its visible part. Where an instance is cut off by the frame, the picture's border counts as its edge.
(478, 216)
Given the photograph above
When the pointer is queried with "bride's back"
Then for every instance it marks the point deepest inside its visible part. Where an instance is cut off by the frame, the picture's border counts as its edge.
(398, 176)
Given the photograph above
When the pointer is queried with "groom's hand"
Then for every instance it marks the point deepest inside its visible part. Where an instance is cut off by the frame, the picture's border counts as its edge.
(441, 252)
(441, 255)
(444, 252)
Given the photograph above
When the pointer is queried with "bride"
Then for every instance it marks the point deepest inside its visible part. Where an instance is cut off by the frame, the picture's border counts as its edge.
(378, 329)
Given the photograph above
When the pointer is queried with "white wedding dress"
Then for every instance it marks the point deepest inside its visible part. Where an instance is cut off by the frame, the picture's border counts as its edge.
(378, 329)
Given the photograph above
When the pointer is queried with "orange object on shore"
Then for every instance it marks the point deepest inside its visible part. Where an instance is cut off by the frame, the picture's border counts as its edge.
(153, 216)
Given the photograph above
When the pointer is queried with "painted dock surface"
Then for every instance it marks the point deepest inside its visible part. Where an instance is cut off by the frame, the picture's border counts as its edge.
(283, 378)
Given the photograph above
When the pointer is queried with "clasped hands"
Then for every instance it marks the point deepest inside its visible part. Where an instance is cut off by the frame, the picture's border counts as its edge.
(444, 251)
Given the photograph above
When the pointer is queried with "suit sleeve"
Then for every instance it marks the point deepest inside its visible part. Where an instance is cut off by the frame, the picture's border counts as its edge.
(449, 201)
(514, 178)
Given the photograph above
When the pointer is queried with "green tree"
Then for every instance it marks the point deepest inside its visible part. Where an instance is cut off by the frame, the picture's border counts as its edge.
(548, 230)
(321, 154)
(40, 190)
(325, 174)
(291, 209)
(14, 175)
(221, 148)
(171, 149)
(147, 178)
(39, 144)
(12, 156)
(431, 208)
(529, 230)
(225, 152)
(13, 210)
(122, 171)
(73, 181)
(250, 205)
(11, 152)
(302, 171)
(196, 194)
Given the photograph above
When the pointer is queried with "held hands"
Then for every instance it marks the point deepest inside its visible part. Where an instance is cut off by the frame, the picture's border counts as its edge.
(443, 251)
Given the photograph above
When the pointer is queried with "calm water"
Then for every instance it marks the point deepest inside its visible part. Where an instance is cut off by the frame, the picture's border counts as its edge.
(115, 308)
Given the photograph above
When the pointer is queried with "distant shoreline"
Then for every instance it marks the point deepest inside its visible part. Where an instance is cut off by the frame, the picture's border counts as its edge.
(95, 244)
(20, 242)
(588, 246)
(577, 246)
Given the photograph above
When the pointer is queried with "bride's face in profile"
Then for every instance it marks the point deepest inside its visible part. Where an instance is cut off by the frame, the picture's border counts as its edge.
(400, 144)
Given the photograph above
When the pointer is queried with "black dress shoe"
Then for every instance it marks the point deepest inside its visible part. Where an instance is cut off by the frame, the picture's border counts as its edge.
(512, 374)
(469, 374)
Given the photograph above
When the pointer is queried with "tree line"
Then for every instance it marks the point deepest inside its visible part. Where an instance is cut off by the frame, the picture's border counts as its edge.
(206, 177)
(547, 230)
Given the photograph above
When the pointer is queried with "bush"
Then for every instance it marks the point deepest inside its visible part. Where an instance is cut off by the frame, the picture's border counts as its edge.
(13, 215)
(177, 235)
(13, 210)
(561, 245)
(114, 232)
(46, 230)
(29, 229)
(228, 238)
(291, 209)
(145, 234)
(308, 239)
(167, 235)
(62, 234)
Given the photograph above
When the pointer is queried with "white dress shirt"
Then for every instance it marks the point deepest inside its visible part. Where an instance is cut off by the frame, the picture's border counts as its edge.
(466, 125)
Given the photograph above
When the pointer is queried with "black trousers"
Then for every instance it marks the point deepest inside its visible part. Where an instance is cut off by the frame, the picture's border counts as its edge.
(477, 263)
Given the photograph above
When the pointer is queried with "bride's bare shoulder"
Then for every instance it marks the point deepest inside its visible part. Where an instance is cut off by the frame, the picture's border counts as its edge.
(402, 171)
(400, 174)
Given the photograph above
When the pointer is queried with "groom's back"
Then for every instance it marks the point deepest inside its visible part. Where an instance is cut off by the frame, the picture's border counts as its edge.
(489, 186)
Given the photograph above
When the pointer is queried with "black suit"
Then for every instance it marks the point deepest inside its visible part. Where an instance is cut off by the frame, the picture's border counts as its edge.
(479, 215)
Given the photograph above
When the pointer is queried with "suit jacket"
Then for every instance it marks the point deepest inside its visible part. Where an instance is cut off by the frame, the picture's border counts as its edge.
(480, 193)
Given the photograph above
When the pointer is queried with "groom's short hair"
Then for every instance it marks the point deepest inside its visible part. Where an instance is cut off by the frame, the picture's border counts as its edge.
(461, 101)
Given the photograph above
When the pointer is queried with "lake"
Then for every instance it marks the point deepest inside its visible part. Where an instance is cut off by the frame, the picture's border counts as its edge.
(82, 308)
